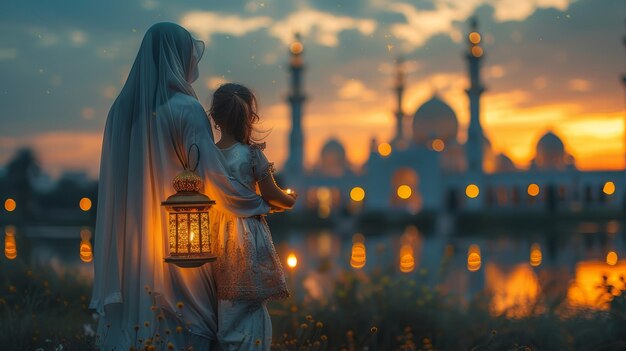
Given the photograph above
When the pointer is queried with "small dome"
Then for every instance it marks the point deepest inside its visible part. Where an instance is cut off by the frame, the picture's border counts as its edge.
(434, 120)
(504, 164)
(334, 147)
(550, 143)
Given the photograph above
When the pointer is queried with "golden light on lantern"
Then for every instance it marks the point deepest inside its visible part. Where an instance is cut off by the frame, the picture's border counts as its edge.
(533, 190)
(407, 259)
(473, 258)
(472, 191)
(611, 258)
(85, 250)
(358, 256)
(474, 38)
(404, 191)
(438, 145)
(608, 188)
(10, 205)
(357, 194)
(384, 149)
(188, 221)
(10, 247)
(292, 261)
(85, 204)
(535, 255)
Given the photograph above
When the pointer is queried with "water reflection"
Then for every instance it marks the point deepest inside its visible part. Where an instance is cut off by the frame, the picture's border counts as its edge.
(513, 269)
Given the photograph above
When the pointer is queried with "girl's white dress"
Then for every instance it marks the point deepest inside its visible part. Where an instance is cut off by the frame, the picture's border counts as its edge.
(248, 271)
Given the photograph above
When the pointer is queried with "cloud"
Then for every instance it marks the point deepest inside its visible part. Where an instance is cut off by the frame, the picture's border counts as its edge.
(354, 89)
(579, 85)
(515, 10)
(206, 23)
(323, 27)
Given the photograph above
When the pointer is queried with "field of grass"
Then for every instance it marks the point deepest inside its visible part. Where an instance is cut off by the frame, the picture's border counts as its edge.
(41, 311)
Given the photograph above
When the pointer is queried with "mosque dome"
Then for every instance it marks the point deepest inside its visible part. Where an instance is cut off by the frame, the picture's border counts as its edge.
(333, 159)
(334, 147)
(551, 154)
(550, 143)
(434, 120)
(504, 164)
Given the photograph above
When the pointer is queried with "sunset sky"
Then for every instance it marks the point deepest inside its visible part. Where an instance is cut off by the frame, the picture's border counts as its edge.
(549, 64)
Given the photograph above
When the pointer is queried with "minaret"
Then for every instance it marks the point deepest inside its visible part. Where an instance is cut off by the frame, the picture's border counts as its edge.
(475, 137)
(399, 90)
(295, 160)
(624, 81)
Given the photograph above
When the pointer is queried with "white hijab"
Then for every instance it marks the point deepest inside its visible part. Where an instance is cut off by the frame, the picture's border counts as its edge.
(148, 131)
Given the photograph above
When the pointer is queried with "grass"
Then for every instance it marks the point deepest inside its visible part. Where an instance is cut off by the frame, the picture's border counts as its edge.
(40, 310)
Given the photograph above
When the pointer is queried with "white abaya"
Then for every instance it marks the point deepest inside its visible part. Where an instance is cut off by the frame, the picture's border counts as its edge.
(150, 127)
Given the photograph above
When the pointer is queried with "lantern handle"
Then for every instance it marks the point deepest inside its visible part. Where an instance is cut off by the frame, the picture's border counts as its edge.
(189, 156)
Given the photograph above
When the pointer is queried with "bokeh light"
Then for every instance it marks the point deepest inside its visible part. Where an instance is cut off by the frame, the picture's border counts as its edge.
(477, 51)
(438, 145)
(292, 260)
(608, 188)
(535, 255)
(472, 191)
(357, 194)
(611, 258)
(85, 204)
(404, 191)
(533, 189)
(384, 149)
(473, 258)
(10, 205)
(474, 37)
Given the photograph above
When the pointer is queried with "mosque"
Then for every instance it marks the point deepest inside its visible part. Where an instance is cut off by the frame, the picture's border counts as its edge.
(428, 169)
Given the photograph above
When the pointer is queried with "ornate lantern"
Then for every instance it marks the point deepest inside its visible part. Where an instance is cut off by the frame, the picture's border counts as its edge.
(189, 243)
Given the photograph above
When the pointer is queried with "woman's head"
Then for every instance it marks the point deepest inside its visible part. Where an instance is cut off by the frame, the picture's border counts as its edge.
(234, 110)
(171, 42)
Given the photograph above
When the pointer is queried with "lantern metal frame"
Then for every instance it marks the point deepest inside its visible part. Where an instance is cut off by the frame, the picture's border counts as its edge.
(188, 200)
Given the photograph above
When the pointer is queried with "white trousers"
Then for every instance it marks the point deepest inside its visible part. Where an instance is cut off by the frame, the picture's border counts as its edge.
(243, 325)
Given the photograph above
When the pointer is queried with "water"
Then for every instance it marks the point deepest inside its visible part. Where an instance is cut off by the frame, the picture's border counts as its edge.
(515, 265)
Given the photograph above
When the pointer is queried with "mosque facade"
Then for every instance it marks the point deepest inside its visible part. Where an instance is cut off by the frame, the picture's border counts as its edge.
(428, 169)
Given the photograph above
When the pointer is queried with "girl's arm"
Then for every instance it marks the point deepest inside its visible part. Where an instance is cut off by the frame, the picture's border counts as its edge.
(274, 195)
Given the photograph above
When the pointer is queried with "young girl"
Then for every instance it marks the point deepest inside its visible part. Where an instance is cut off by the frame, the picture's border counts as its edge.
(248, 271)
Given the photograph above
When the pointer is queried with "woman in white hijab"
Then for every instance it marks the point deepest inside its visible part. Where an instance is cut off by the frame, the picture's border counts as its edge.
(150, 127)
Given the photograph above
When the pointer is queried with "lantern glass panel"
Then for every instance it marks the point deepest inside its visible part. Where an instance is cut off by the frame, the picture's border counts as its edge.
(204, 224)
(172, 232)
(183, 233)
(194, 232)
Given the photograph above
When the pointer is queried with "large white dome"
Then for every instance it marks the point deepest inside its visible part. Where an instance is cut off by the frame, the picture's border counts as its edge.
(434, 120)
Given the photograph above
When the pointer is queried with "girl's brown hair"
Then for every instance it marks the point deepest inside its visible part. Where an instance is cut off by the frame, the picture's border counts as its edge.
(234, 110)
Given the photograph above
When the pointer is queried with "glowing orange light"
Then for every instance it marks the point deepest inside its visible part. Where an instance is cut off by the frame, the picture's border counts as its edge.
(477, 51)
(535, 255)
(358, 256)
(474, 37)
(9, 205)
(404, 191)
(609, 188)
(407, 260)
(296, 47)
(533, 189)
(472, 191)
(357, 194)
(10, 247)
(384, 149)
(85, 251)
(438, 145)
(473, 258)
(588, 276)
(85, 204)
(611, 258)
(292, 260)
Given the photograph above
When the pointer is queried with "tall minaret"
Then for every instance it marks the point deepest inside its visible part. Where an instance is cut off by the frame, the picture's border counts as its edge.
(474, 144)
(399, 90)
(295, 160)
